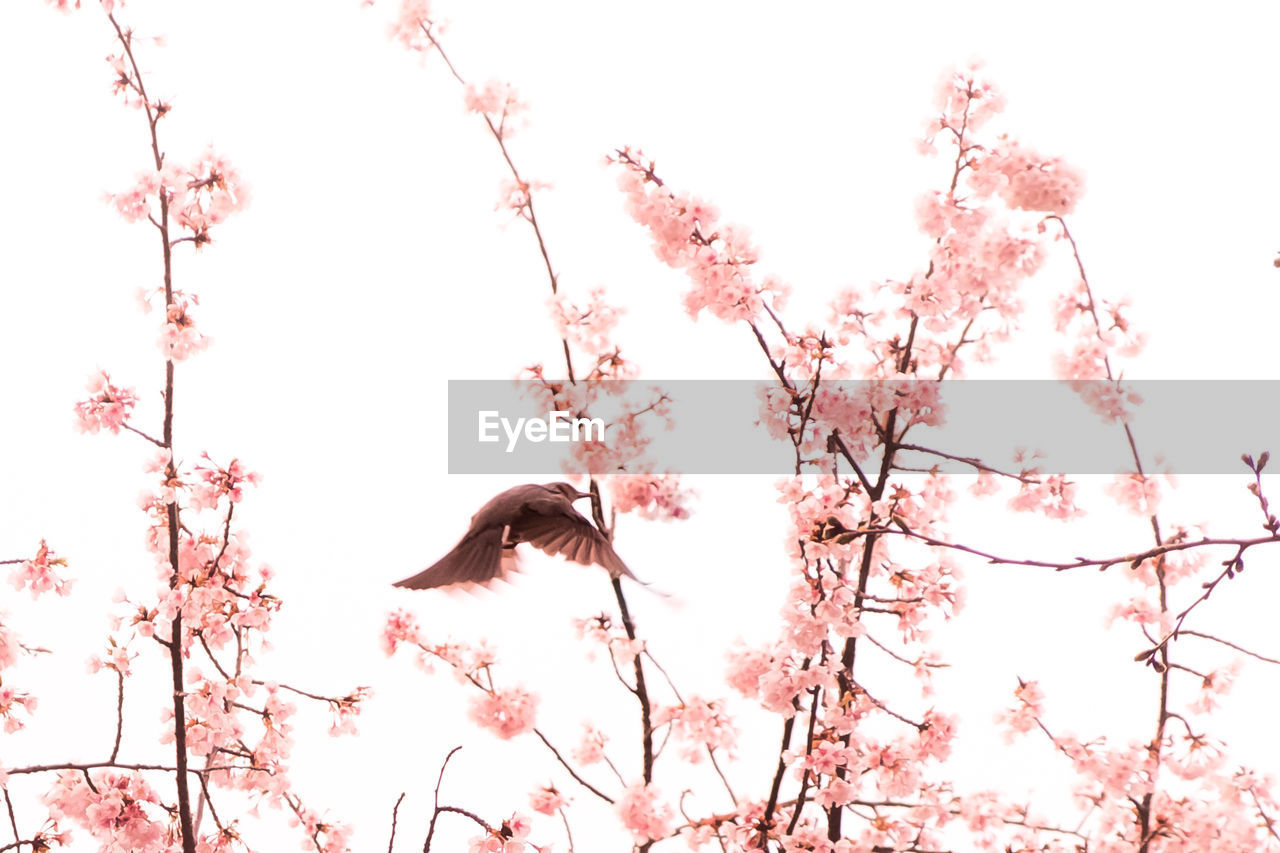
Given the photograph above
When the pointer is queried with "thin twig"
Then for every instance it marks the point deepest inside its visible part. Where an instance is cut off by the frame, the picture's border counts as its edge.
(1241, 649)
(431, 828)
(395, 812)
(115, 749)
(567, 766)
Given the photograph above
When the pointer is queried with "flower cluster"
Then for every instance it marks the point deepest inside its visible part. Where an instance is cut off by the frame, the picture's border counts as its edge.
(120, 810)
(213, 483)
(198, 196)
(698, 725)
(687, 234)
(651, 496)
(514, 195)
(400, 627)
(511, 837)
(1024, 716)
(1138, 493)
(1026, 180)
(12, 701)
(1053, 496)
(324, 836)
(590, 749)
(65, 6)
(39, 574)
(108, 406)
(1094, 332)
(588, 328)
(506, 713)
(496, 101)
(547, 800)
(179, 338)
(644, 813)
(412, 25)
(604, 631)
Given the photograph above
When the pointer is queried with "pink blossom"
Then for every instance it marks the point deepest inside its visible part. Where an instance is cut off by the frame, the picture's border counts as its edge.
(1030, 181)
(547, 800)
(9, 646)
(510, 837)
(400, 627)
(323, 836)
(1053, 497)
(937, 734)
(642, 812)
(120, 810)
(210, 191)
(965, 100)
(686, 235)
(835, 792)
(506, 713)
(107, 407)
(1084, 359)
(1138, 493)
(590, 749)
(699, 725)
(588, 328)
(179, 338)
(1141, 610)
(38, 574)
(1113, 401)
(498, 102)
(135, 203)
(12, 701)
(984, 485)
(198, 196)
(1070, 305)
(1022, 717)
(212, 483)
(651, 496)
(514, 195)
(345, 710)
(598, 629)
(117, 657)
(413, 21)
(745, 669)
(1215, 685)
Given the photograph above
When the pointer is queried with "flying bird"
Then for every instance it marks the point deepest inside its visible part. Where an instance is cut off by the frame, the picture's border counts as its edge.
(543, 516)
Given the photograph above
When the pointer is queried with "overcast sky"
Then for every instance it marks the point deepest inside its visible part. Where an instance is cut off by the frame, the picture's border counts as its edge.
(371, 268)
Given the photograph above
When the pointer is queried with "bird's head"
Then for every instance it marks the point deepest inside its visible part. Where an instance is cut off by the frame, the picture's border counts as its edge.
(570, 492)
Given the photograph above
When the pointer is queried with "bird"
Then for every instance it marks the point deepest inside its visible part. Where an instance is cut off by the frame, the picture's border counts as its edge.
(542, 515)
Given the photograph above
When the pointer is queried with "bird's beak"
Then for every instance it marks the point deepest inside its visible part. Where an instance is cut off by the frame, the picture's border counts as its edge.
(582, 495)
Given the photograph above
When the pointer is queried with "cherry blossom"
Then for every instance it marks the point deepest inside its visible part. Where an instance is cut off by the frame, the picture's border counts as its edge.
(498, 102)
(642, 811)
(650, 496)
(506, 713)
(1027, 180)
(108, 406)
(413, 20)
(590, 749)
(39, 574)
(587, 328)
(547, 800)
(699, 725)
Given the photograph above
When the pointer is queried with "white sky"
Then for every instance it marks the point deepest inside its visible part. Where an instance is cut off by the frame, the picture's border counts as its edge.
(371, 268)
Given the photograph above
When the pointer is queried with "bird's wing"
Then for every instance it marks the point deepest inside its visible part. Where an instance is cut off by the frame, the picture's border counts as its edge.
(478, 558)
(567, 533)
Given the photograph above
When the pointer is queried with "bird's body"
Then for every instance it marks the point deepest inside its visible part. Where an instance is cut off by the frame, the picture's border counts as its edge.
(543, 516)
